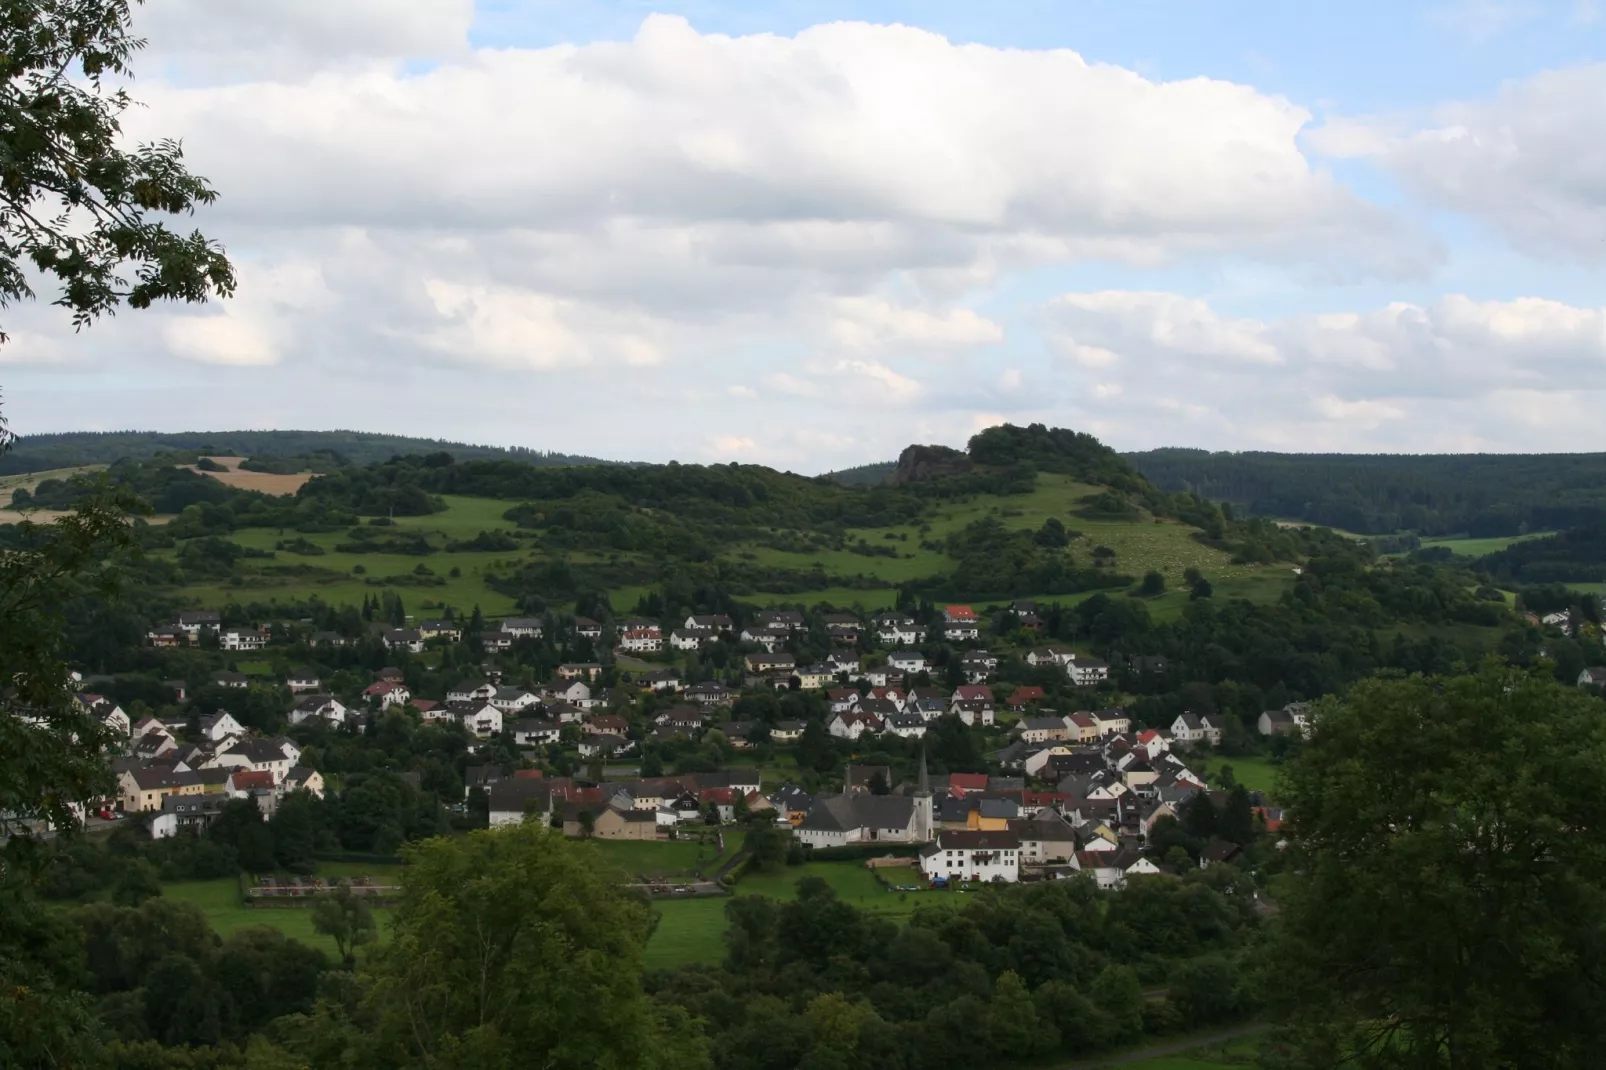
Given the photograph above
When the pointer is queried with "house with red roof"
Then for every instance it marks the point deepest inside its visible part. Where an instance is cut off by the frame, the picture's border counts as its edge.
(1023, 697)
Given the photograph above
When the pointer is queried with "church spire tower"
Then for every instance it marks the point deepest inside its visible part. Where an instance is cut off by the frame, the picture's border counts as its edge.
(923, 817)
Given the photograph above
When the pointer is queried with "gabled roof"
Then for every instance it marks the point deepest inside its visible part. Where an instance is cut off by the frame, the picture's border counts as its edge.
(971, 840)
(162, 777)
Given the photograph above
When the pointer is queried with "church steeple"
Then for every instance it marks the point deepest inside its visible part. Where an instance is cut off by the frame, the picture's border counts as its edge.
(924, 818)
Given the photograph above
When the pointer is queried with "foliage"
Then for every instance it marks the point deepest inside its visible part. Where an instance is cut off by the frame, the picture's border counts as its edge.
(517, 944)
(999, 977)
(1447, 865)
(74, 204)
(1576, 555)
(1378, 494)
(50, 750)
(346, 919)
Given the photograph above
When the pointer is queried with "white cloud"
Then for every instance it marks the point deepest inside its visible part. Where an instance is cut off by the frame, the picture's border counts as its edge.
(518, 328)
(1527, 159)
(867, 324)
(888, 143)
(1399, 377)
(1093, 328)
(240, 39)
(219, 338)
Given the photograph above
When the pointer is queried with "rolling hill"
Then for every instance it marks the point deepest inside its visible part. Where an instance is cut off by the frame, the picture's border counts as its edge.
(1024, 512)
(40, 453)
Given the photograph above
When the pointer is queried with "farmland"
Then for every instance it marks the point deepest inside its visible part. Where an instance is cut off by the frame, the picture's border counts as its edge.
(266, 482)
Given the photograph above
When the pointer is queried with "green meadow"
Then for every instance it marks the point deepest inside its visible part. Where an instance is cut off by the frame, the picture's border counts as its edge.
(1140, 545)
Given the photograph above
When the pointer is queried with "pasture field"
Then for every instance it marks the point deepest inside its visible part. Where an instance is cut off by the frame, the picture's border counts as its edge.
(219, 900)
(1460, 544)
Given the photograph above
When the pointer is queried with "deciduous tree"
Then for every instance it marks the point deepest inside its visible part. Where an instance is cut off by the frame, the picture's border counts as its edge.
(1447, 892)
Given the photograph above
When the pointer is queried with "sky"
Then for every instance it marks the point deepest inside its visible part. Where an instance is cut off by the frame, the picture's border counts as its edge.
(808, 234)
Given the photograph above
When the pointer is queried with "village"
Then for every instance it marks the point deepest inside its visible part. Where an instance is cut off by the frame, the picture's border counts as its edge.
(1064, 792)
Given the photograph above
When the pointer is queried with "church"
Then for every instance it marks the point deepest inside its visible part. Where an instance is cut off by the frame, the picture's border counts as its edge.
(855, 817)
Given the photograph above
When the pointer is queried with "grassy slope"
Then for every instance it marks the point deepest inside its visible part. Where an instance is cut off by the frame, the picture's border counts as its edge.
(1140, 546)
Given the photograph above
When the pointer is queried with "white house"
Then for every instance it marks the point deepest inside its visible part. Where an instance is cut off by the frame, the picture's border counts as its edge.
(512, 699)
(535, 731)
(907, 725)
(243, 639)
(388, 694)
(641, 641)
(220, 726)
(325, 706)
(1192, 728)
(1085, 671)
(480, 692)
(972, 856)
(893, 630)
(408, 639)
(521, 628)
(484, 722)
(852, 724)
(907, 661)
(681, 639)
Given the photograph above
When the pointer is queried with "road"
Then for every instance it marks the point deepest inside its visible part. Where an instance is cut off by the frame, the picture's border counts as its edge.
(1174, 1047)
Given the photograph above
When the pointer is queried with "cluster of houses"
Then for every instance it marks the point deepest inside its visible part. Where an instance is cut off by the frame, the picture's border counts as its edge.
(1095, 817)
(640, 808)
(185, 785)
(770, 631)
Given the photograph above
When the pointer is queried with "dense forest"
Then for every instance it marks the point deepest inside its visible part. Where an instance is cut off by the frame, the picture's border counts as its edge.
(46, 452)
(1483, 495)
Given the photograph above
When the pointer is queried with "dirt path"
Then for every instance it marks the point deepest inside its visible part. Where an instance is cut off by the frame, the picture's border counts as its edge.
(1174, 1047)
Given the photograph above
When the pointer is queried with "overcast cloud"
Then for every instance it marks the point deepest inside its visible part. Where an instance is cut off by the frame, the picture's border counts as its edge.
(813, 248)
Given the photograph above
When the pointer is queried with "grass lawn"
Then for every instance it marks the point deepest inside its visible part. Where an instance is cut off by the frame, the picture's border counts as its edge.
(1460, 544)
(1256, 774)
(1589, 588)
(220, 901)
(664, 858)
(688, 931)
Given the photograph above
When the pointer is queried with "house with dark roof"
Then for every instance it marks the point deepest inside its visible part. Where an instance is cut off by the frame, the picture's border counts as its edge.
(838, 820)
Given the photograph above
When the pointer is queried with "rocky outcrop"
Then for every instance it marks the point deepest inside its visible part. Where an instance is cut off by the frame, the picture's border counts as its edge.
(930, 462)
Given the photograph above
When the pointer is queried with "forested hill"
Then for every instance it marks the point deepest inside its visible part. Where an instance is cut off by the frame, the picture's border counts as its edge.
(43, 453)
(1484, 495)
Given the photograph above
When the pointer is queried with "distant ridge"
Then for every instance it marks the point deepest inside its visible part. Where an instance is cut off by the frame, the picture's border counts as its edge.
(1485, 495)
(42, 453)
